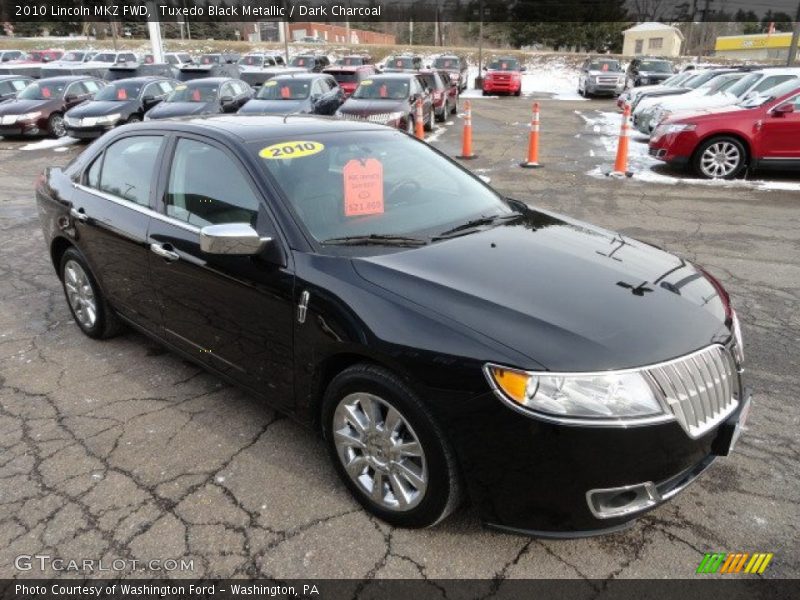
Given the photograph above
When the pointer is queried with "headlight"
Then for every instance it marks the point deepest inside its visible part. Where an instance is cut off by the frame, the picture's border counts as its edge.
(738, 349)
(109, 118)
(392, 117)
(579, 396)
(677, 128)
(29, 116)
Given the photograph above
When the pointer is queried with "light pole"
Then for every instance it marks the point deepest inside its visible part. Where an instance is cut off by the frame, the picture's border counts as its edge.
(795, 40)
(154, 29)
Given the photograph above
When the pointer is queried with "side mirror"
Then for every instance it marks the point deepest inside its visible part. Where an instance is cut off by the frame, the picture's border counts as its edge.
(237, 239)
(71, 98)
(148, 99)
(226, 101)
(783, 109)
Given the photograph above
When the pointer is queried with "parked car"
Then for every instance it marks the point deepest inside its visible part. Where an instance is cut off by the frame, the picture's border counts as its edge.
(456, 67)
(601, 77)
(503, 75)
(202, 97)
(75, 57)
(302, 93)
(375, 290)
(402, 62)
(40, 56)
(313, 63)
(174, 59)
(259, 60)
(207, 70)
(647, 71)
(39, 108)
(348, 77)
(390, 99)
(629, 95)
(438, 84)
(29, 64)
(732, 88)
(124, 101)
(219, 58)
(760, 132)
(108, 58)
(645, 100)
(145, 69)
(354, 60)
(9, 55)
(11, 85)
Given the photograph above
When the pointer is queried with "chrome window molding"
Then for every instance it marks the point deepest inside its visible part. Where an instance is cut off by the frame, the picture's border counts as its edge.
(666, 398)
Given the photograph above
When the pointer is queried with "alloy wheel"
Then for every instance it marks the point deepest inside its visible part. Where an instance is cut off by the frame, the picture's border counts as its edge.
(720, 160)
(380, 451)
(57, 126)
(80, 294)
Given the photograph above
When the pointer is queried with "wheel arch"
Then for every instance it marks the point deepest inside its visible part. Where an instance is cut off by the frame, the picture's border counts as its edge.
(722, 134)
(58, 247)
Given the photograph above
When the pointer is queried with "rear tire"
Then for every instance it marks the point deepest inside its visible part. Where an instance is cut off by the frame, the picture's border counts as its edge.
(86, 302)
(429, 125)
(721, 157)
(55, 125)
(368, 414)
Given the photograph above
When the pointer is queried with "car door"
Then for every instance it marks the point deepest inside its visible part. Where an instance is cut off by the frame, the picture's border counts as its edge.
(779, 136)
(111, 207)
(232, 313)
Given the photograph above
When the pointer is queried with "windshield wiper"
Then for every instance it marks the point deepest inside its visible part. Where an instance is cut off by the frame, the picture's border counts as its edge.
(474, 223)
(375, 239)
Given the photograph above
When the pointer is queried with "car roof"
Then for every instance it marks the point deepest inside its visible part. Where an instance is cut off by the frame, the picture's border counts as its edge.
(253, 128)
(141, 78)
(299, 75)
(394, 75)
(209, 80)
(5, 77)
(65, 79)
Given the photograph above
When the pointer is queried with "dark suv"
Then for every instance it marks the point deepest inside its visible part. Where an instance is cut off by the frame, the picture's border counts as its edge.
(313, 63)
(648, 71)
(455, 66)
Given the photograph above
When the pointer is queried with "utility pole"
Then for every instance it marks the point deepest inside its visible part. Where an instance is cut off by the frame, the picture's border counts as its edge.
(795, 40)
(154, 30)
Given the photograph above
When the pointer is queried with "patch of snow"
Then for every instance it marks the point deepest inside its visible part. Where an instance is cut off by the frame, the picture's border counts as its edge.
(48, 144)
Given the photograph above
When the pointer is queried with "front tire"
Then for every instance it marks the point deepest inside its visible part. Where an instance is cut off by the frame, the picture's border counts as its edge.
(55, 125)
(387, 448)
(721, 157)
(86, 302)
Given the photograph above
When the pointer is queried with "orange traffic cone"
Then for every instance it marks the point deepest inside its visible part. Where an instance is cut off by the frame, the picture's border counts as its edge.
(466, 139)
(419, 126)
(621, 164)
(533, 141)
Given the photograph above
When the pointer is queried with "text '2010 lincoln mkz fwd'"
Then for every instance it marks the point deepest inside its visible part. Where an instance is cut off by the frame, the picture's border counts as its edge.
(447, 342)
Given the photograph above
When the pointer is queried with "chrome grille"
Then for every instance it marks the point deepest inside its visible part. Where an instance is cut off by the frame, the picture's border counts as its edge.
(700, 389)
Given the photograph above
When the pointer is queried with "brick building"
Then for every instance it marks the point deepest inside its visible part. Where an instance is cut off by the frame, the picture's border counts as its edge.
(332, 33)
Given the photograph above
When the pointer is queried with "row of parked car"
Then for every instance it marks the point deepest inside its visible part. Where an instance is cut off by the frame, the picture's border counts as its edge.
(86, 107)
(722, 121)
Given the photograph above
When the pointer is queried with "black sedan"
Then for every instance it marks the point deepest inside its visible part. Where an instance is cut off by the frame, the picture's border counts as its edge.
(203, 97)
(390, 99)
(11, 85)
(124, 101)
(39, 108)
(447, 342)
(307, 93)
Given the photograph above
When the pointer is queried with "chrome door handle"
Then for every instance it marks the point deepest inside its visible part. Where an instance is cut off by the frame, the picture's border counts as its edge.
(164, 253)
(78, 214)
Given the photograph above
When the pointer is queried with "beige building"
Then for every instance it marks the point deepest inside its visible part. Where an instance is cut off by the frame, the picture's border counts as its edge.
(652, 39)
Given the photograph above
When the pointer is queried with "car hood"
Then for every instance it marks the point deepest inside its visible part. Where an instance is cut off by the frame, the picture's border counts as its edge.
(355, 106)
(710, 113)
(166, 110)
(272, 107)
(568, 296)
(98, 108)
(655, 75)
(18, 107)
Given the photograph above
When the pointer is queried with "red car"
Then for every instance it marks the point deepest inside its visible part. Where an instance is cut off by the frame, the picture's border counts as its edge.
(503, 75)
(348, 77)
(40, 56)
(721, 142)
(443, 95)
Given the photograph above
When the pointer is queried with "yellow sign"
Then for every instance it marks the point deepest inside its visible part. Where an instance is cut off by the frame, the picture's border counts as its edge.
(753, 42)
(285, 150)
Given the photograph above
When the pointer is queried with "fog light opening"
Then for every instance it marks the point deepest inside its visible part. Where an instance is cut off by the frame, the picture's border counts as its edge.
(617, 502)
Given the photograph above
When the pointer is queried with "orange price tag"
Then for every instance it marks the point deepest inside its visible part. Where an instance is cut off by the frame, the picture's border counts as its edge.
(363, 187)
(605, 66)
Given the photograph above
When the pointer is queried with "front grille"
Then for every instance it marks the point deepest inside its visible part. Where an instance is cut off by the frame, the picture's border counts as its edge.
(701, 389)
(381, 118)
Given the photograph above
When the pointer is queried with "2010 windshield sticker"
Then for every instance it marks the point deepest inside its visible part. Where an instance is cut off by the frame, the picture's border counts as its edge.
(270, 84)
(363, 187)
(286, 150)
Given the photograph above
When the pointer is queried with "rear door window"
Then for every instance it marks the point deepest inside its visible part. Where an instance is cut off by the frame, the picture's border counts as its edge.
(128, 168)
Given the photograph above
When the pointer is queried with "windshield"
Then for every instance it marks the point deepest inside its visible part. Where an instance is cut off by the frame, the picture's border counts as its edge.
(351, 61)
(302, 61)
(744, 84)
(383, 89)
(605, 65)
(446, 62)
(42, 91)
(120, 92)
(285, 89)
(787, 87)
(375, 183)
(655, 66)
(403, 62)
(105, 57)
(210, 59)
(73, 56)
(431, 79)
(252, 61)
(195, 93)
(699, 79)
(504, 64)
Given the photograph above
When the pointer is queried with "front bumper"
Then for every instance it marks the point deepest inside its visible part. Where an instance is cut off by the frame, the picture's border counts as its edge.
(529, 476)
(505, 86)
(88, 133)
(24, 128)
